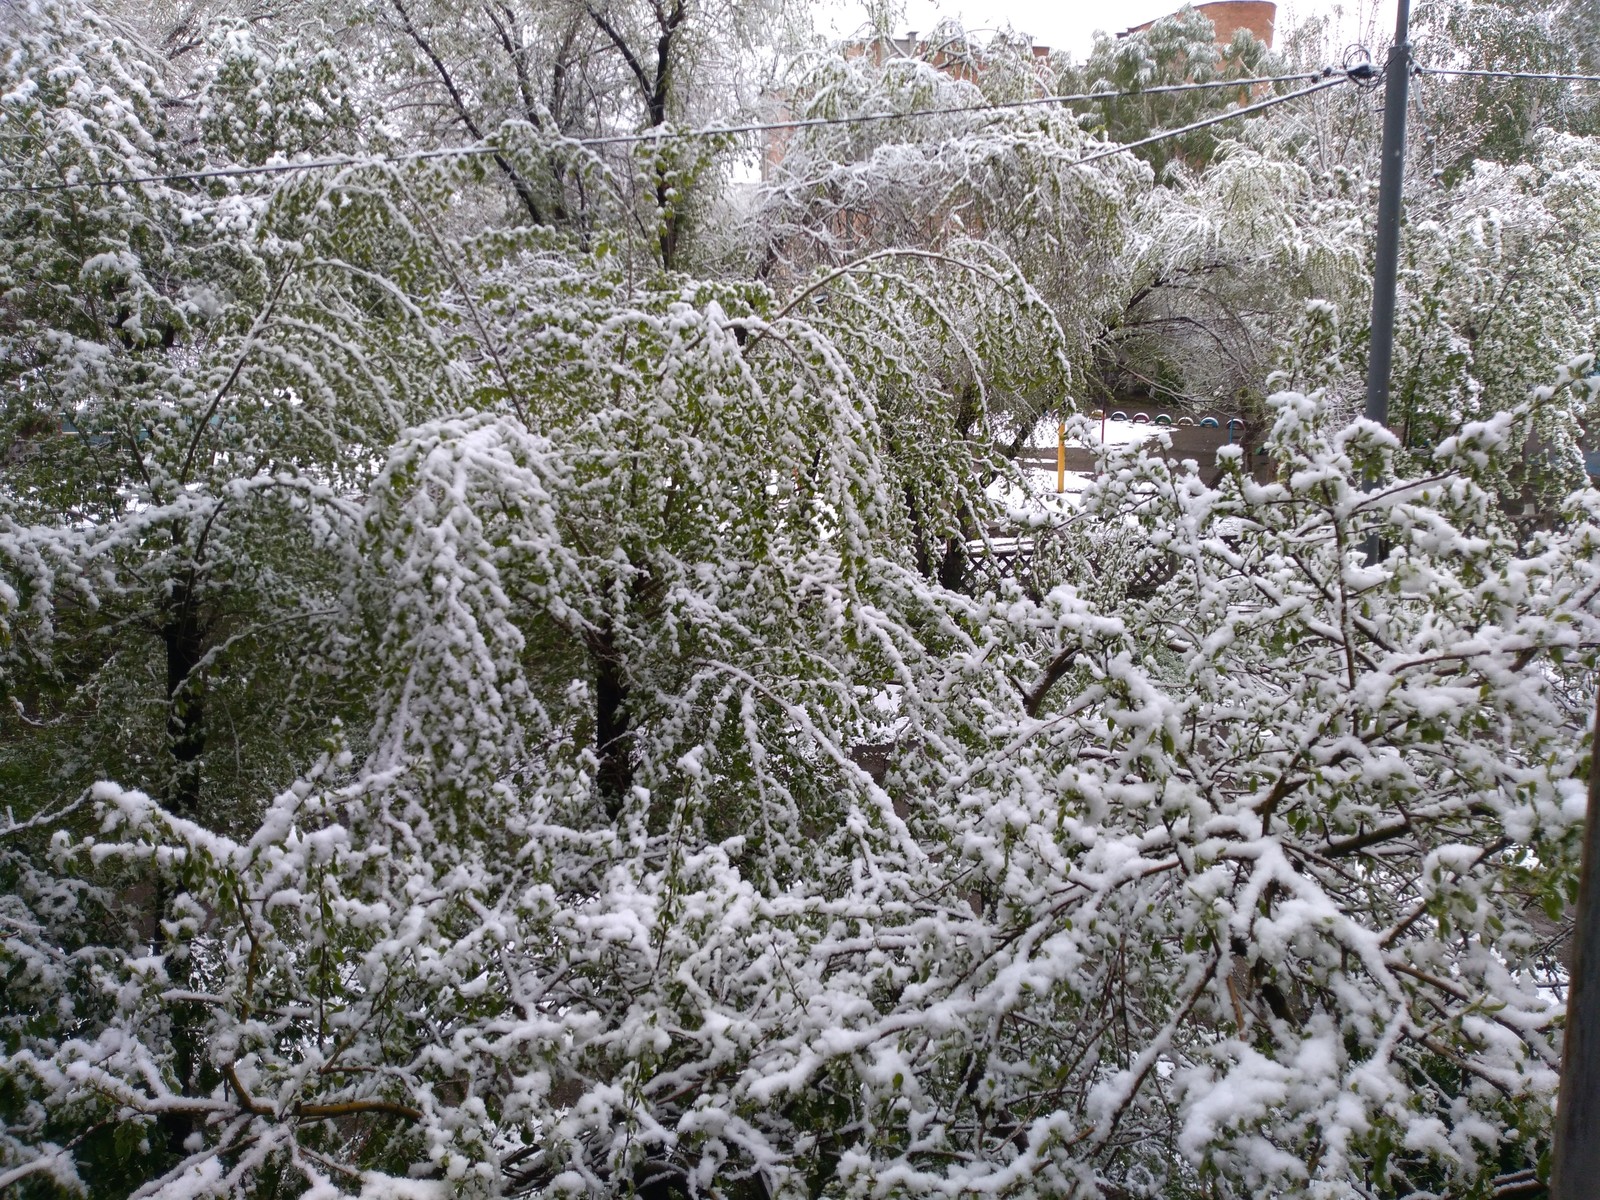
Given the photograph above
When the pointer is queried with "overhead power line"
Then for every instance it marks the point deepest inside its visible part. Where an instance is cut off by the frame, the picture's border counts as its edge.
(1542, 75)
(310, 164)
(1216, 119)
(1327, 77)
(995, 106)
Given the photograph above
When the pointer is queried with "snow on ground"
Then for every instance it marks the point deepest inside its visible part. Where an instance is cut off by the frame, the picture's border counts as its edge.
(1040, 493)
(1113, 433)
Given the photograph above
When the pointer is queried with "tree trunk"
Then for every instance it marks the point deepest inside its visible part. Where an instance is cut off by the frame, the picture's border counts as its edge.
(953, 565)
(612, 725)
(183, 637)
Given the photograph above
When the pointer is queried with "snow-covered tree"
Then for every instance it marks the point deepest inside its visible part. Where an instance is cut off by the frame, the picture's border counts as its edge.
(970, 219)
(486, 714)
(1499, 279)
(1464, 119)
(1227, 253)
(1178, 49)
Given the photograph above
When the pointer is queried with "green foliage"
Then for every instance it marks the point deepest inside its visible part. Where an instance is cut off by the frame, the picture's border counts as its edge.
(1177, 49)
(293, 100)
(497, 702)
(1466, 119)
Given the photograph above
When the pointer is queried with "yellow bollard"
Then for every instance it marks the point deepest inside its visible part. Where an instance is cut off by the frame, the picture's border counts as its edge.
(1061, 457)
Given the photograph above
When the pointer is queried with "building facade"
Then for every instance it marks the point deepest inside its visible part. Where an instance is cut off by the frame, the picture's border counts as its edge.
(1228, 17)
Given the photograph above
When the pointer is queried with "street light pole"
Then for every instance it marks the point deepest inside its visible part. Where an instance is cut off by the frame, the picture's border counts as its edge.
(1575, 1165)
(1391, 175)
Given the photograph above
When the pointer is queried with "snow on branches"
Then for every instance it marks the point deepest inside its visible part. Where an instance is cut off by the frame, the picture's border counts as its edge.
(490, 713)
(1251, 892)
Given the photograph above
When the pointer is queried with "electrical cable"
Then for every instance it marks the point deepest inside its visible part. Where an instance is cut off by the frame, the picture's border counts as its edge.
(1211, 120)
(1327, 77)
(996, 106)
(1552, 76)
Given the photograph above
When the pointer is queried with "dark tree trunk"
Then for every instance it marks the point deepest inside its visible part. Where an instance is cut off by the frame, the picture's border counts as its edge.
(184, 637)
(953, 565)
(655, 89)
(612, 725)
(669, 222)
(520, 185)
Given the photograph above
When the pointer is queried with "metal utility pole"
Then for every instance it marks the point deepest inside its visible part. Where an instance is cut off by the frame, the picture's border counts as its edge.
(1575, 1168)
(1396, 88)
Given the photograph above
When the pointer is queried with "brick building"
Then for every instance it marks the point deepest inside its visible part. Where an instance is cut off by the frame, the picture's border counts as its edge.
(1229, 17)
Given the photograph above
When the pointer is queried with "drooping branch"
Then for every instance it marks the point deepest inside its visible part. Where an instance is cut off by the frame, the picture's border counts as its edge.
(647, 87)
(519, 184)
(313, 1112)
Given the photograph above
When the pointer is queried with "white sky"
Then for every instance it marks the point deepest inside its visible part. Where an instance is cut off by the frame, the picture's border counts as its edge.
(1071, 24)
